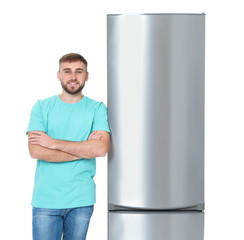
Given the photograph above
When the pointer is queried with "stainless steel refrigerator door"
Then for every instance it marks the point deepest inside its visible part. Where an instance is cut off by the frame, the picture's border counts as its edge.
(156, 226)
(156, 110)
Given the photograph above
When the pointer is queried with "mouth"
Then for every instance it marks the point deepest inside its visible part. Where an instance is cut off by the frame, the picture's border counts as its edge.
(73, 83)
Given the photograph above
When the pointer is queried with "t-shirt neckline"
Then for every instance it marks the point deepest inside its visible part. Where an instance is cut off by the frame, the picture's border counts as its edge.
(71, 104)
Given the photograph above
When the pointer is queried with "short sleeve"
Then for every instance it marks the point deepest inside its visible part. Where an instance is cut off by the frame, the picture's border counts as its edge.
(36, 122)
(100, 121)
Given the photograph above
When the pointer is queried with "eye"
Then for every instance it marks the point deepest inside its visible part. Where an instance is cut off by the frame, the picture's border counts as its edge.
(67, 72)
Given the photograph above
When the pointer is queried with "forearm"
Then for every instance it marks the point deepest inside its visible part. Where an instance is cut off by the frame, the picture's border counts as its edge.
(96, 146)
(84, 149)
(50, 155)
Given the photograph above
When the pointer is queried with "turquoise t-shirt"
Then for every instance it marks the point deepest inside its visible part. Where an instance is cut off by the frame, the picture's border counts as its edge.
(67, 184)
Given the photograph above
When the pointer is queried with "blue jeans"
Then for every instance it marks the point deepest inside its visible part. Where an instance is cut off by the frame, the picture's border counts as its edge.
(53, 224)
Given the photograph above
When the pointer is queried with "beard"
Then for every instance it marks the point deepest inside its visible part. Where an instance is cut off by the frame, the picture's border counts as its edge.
(72, 90)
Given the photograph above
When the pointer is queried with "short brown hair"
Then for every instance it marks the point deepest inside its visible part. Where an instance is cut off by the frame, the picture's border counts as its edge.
(72, 57)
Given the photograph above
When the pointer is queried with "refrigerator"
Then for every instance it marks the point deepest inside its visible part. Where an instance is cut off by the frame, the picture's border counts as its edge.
(155, 71)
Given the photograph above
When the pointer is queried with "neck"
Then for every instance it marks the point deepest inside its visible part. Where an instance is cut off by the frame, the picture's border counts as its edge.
(70, 98)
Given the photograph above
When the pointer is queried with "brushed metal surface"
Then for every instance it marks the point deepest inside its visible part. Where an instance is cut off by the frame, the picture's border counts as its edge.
(156, 110)
(156, 226)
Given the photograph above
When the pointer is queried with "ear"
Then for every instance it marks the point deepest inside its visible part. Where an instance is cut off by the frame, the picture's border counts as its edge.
(58, 76)
(87, 76)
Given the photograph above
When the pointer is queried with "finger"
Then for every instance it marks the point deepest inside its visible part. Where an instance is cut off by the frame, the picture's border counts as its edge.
(34, 137)
(97, 135)
(95, 138)
(31, 138)
(36, 133)
(34, 142)
(93, 133)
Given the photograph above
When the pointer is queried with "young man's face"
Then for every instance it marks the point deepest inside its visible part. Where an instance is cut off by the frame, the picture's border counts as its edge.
(73, 76)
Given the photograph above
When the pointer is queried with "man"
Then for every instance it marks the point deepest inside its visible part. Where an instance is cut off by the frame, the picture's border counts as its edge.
(66, 133)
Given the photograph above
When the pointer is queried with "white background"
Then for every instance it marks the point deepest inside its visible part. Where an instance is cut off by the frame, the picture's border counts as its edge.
(35, 34)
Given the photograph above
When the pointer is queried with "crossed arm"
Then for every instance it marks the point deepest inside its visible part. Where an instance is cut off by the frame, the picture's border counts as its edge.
(43, 147)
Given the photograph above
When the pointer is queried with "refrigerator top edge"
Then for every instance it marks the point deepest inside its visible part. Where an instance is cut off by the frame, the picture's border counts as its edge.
(136, 14)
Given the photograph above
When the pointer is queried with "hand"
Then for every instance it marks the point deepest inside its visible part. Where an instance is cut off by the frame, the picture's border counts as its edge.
(41, 138)
(95, 135)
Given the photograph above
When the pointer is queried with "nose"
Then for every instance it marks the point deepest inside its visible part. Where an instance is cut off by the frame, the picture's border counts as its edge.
(73, 76)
